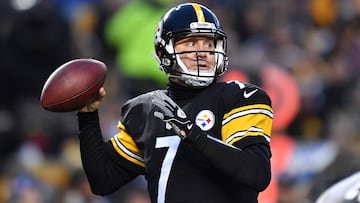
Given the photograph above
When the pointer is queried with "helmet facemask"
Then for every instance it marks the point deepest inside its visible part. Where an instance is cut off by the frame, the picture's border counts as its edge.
(170, 30)
(199, 74)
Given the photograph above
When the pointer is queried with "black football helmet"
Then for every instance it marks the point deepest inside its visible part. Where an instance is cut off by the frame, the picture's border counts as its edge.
(187, 20)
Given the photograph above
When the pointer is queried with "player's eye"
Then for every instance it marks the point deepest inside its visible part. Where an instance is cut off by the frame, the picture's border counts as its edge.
(210, 44)
(190, 44)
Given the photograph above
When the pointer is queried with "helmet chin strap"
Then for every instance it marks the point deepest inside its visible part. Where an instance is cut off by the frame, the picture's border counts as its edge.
(189, 81)
(197, 81)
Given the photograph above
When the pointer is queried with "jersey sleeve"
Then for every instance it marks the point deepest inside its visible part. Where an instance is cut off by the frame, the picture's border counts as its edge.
(126, 147)
(105, 171)
(242, 149)
(248, 120)
(130, 130)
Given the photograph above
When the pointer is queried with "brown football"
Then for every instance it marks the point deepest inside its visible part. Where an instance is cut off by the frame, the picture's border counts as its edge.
(73, 85)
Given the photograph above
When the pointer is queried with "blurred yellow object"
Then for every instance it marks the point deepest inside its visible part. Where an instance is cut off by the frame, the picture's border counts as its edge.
(70, 153)
(323, 12)
(54, 173)
(5, 189)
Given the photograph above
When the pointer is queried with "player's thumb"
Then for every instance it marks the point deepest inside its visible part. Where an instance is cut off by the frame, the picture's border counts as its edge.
(102, 92)
(94, 105)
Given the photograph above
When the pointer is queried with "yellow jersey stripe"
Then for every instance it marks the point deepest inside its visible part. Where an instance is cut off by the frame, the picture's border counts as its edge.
(199, 13)
(127, 140)
(242, 124)
(126, 147)
(121, 149)
(250, 109)
(242, 134)
(236, 125)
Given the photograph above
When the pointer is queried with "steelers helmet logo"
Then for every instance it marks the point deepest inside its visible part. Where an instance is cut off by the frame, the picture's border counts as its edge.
(205, 119)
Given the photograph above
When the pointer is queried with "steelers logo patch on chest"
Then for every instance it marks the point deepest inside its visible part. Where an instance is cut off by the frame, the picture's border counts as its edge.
(205, 119)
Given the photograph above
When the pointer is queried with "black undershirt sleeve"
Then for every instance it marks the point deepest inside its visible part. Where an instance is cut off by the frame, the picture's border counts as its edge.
(103, 168)
(249, 166)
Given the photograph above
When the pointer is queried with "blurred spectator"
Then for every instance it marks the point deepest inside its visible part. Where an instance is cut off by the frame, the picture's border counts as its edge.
(134, 192)
(137, 196)
(288, 190)
(30, 51)
(69, 8)
(34, 49)
(28, 189)
(344, 132)
(80, 192)
(131, 32)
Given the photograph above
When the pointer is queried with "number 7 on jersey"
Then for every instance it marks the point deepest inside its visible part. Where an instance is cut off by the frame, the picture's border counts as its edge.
(172, 143)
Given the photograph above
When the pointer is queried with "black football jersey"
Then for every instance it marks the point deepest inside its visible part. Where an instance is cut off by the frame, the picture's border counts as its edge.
(234, 114)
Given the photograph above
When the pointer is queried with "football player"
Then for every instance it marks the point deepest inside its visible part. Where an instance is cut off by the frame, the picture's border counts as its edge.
(198, 140)
(344, 191)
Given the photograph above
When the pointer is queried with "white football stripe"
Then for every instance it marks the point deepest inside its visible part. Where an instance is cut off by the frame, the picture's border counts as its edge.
(246, 112)
(128, 152)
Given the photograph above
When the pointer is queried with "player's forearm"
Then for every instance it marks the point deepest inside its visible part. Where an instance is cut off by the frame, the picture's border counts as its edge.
(249, 166)
(104, 175)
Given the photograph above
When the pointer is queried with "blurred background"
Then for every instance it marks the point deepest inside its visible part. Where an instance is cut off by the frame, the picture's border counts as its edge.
(304, 53)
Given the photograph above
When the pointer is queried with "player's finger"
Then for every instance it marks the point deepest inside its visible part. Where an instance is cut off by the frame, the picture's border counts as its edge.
(102, 92)
(94, 105)
(159, 115)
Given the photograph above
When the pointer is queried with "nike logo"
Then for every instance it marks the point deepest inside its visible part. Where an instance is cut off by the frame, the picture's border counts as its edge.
(248, 94)
(189, 126)
(181, 113)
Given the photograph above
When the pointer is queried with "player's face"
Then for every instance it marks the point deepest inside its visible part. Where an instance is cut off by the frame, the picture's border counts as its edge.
(199, 53)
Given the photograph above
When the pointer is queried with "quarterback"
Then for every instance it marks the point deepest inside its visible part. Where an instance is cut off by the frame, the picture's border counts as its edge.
(198, 140)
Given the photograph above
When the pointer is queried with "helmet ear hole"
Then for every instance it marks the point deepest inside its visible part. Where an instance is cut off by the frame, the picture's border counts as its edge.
(167, 62)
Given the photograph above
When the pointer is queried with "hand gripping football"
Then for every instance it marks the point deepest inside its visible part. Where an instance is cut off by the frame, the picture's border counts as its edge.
(73, 85)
